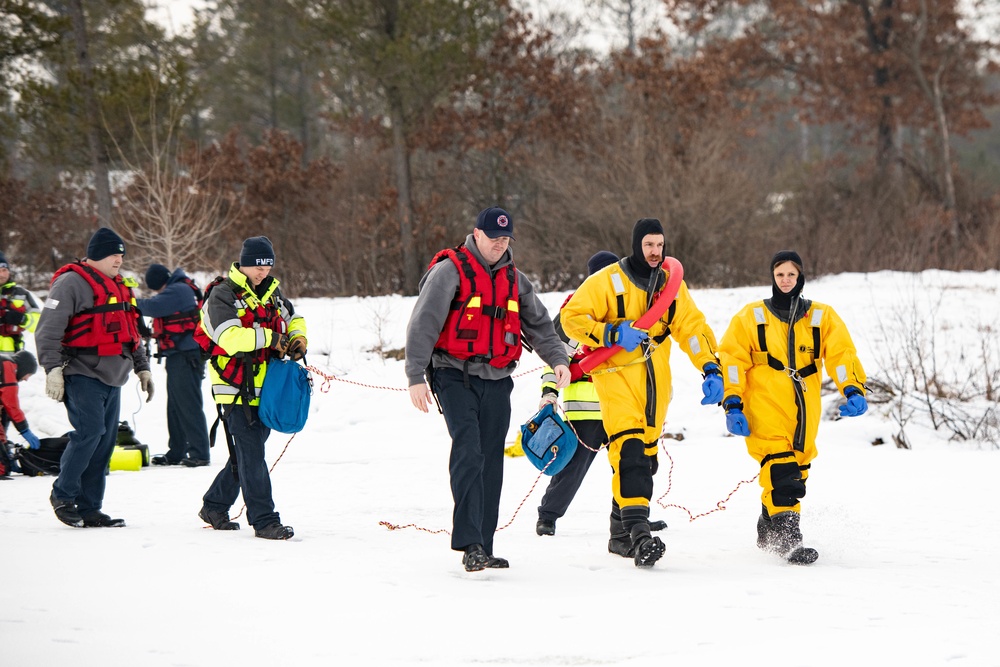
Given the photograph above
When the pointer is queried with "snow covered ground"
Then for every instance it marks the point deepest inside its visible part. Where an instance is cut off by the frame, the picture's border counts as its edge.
(908, 539)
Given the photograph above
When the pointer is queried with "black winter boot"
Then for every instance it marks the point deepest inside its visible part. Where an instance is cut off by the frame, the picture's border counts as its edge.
(217, 519)
(620, 543)
(646, 549)
(765, 533)
(66, 512)
(545, 527)
(475, 558)
(274, 531)
(786, 539)
(102, 520)
(496, 563)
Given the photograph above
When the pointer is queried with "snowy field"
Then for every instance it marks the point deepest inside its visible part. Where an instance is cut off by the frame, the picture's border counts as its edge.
(908, 539)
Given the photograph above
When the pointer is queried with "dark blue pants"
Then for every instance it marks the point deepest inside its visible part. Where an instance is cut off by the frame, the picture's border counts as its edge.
(185, 410)
(92, 408)
(254, 480)
(564, 485)
(478, 417)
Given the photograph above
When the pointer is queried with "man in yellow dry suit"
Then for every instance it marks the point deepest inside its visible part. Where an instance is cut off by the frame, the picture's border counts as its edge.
(634, 383)
(780, 393)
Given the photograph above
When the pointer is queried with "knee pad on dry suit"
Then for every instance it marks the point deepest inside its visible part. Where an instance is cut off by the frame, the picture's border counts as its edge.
(634, 472)
(787, 485)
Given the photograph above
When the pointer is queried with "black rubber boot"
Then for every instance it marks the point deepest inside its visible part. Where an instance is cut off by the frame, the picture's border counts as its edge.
(620, 543)
(786, 539)
(646, 549)
(765, 534)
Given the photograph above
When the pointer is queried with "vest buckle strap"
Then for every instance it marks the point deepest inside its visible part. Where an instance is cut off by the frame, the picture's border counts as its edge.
(496, 312)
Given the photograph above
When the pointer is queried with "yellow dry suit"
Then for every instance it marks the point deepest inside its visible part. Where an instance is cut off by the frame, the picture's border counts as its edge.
(634, 387)
(781, 392)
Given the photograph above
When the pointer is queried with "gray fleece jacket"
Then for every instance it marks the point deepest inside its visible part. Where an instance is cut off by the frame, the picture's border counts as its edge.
(437, 290)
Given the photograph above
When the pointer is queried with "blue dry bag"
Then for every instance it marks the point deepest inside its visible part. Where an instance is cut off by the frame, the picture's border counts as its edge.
(284, 398)
(546, 437)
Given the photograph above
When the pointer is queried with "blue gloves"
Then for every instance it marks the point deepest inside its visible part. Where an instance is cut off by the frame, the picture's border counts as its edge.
(623, 334)
(712, 386)
(32, 439)
(856, 403)
(736, 421)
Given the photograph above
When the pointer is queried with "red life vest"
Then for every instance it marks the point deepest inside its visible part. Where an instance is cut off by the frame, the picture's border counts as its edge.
(109, 328)
(484, 322)
(178, 324)
(241, 367)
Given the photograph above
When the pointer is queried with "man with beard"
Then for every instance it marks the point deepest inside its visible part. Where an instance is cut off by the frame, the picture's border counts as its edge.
(634, 383)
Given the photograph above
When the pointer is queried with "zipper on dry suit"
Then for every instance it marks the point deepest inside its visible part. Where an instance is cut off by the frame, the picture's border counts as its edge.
(654, 276)
(799, 440)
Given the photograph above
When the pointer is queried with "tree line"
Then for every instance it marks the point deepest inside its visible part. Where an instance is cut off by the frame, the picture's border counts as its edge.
(362, 136)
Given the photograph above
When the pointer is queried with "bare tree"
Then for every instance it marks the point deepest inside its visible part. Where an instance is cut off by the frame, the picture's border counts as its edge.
(633, 18)
(932, 52)
(168, 207)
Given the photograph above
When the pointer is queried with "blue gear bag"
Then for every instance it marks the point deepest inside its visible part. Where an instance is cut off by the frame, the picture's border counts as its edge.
(547, 440)
(284, 397)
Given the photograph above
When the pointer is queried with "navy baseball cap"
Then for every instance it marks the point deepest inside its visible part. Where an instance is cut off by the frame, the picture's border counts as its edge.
(495, 222)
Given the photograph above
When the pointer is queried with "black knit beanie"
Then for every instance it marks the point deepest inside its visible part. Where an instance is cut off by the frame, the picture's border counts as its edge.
(600, 260)
(157, 276)
(779, 299)
(637, 261)
(257, 251)
(105, 243)
(26, 364)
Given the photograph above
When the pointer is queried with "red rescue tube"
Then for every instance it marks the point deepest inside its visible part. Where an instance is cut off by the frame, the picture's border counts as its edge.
(674, 278)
